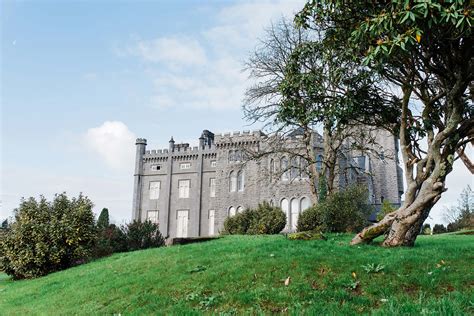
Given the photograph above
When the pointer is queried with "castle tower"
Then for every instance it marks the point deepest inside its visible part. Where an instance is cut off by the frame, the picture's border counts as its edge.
(137, 185)
(171, 142)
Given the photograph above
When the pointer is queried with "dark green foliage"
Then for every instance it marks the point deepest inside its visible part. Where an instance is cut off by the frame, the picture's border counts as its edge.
(48, 236)
(143, 235)
(344, 211)
(4, 224)
(110, 240)
(103, 220)
(439, 229)
(322, 189)
(265, 219)
(312, 219)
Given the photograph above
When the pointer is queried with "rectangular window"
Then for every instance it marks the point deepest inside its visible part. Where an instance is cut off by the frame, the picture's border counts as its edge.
(155, 187)
(211, 222)
(183, 186)
(213, 163)
(152, 216)
(155, 167)
(212, 185)
(185, 165)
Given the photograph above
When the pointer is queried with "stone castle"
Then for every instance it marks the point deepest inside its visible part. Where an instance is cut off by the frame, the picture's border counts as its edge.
(190, 191)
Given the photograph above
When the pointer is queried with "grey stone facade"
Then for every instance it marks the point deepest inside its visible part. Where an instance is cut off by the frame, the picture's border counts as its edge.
(190, 191)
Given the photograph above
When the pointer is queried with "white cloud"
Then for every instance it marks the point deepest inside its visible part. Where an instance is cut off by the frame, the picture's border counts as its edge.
(177, 51)
(113, 142)
(216, 55)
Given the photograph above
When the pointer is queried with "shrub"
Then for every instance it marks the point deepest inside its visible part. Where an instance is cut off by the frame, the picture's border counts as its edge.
(343, 211)
(48, 236)
(265, 219)
(110, 240)
(143, 235)
(312, 219)
(439, 229)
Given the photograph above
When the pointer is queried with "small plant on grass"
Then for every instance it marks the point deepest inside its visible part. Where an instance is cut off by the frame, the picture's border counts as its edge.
(208, 301)
(373, 268)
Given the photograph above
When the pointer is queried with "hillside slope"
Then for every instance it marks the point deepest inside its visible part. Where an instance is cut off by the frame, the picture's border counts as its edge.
(244, 273)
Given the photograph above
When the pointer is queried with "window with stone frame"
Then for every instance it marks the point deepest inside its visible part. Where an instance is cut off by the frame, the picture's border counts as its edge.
(319, 162)
(240, 180)
(152, 216)
(185, 165)
(285, 172)
(212, 187)
(154, 188)
(233, 181)
(294, 171)
(183, 188)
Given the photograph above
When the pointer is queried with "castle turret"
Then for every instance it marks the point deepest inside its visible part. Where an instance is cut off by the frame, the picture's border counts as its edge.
(137, 186)
(171, 142)
(201, 141)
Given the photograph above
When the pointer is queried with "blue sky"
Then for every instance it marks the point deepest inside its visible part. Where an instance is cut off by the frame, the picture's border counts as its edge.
(81, 80)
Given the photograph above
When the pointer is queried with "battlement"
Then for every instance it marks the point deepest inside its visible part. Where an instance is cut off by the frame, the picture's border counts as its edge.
(140, 141)
(245, 133)
(177, 151)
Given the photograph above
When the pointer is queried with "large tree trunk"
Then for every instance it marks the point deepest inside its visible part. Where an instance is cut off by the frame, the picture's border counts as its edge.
(404, 225)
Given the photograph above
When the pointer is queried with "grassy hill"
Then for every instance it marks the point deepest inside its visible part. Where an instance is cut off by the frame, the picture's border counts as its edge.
(247, 274)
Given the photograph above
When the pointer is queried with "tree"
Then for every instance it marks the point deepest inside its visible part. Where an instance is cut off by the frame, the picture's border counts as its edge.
(425, 51)
(103, 220)
(48, 236)
(462, 215)
(5, 224)
(286, 60)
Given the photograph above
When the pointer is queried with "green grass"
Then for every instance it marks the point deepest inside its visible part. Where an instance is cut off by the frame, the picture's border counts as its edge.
(245, 274)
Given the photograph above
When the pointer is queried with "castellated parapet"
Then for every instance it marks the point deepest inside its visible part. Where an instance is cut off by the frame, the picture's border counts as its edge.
(190, 191)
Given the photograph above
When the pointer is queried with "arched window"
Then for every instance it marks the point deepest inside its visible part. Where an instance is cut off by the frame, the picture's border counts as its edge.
(285, 208)
(294, 168)
(240, 209)
(304, 168)
(295, 211)
(272, 168)
(231, 155)
(284, 169)
(240, 180)
(319, 162)
(231, 211)
(233, 181)
(304, 203)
